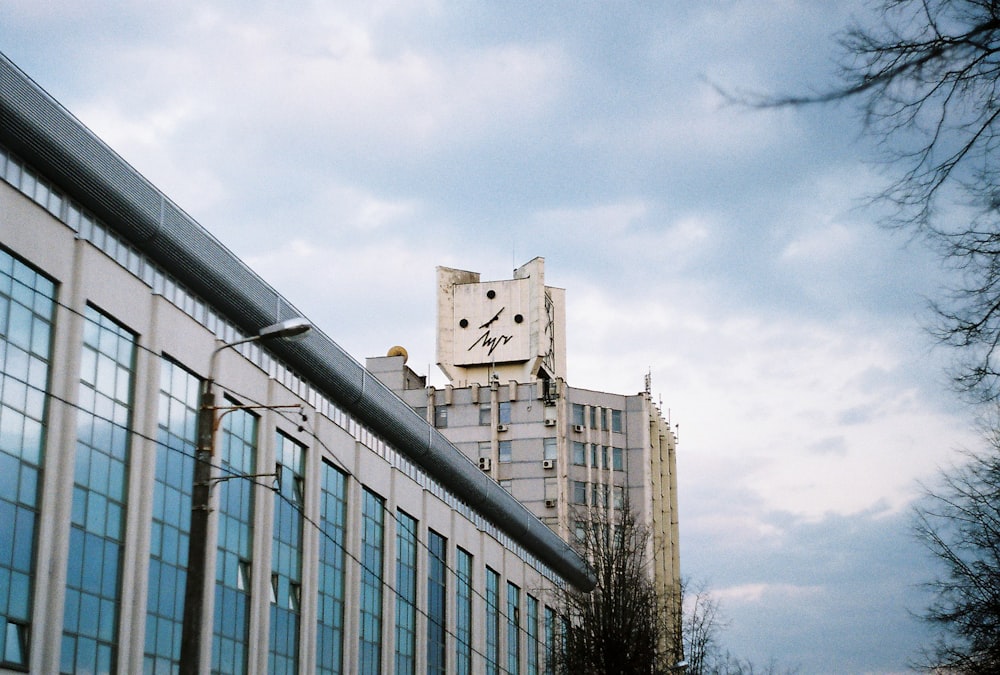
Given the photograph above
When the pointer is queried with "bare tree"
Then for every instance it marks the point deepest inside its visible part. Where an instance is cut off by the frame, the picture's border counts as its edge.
(926, 75)
(959, 523)
(623, 625)
(703, 622)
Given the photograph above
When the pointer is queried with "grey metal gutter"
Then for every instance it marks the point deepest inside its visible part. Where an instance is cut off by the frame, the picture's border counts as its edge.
(36, 127)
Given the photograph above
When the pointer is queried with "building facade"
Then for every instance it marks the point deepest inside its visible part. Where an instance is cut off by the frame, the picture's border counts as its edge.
(566, 453)
(345, 534)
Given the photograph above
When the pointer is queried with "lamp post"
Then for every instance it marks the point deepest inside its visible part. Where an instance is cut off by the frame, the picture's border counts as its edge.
(197, 574)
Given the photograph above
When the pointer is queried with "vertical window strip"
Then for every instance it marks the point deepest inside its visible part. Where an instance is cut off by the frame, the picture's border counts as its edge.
(26, 315)
(492, 622)
(330, 610)
(372, 543)
(513, 629)
(550, 641)
(90, 621)
(171, 521)
(531, 633)
(437, 602)
(463, 612)
(406, 594)
(231, 627)
(286, 557)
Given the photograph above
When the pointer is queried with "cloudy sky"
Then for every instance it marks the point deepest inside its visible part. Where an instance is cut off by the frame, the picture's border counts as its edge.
(346, 149)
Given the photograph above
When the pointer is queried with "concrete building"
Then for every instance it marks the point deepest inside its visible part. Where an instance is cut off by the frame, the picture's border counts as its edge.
(346, 534)
(563, 452)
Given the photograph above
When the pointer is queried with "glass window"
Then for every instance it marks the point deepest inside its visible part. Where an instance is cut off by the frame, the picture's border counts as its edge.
(176, 444)
(492, 622)
(505, 451)
(619, 496)
(441, 417)
(437, 601)
(406, 594)
(579, 492)
(286, 556)
(616, 421)
(485, 449)
(370, 637)
(549, 448)
(100, 476)
(531, 633)
(594, 455)
(579, 453)
(513, 629)
(504, 413)
(463, 612)
(618, 459)
(594, 415)
(238, 456)
(485, 415)
(330, 601)
(550, 641)
(578, 415)
(26, 314)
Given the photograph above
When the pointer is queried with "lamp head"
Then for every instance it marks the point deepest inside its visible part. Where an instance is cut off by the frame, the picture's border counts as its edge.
(285, 329)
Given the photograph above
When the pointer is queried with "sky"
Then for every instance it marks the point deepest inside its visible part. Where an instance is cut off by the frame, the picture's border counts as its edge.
(344, 150)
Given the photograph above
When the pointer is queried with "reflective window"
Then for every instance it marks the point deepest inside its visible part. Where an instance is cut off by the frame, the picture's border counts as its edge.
(90, 622)
(26, 315)
(550, 641)
(330, 619)
(492, 622)
(618, 459)
(549, 450)
(616, 421)
(168, 552)
(579, 415)
(594, 416)
(504, 448)
(463, 612)
(406, 594)
(437, 601)
(531, 633)
(579, 492)
(370, 637)
(231, 627)
(485, 414)
(513, 629)
(579, 453)
(504, 413)
(440, 417)
(286, 557)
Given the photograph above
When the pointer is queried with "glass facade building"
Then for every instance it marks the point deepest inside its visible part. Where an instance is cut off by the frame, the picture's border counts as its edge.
(97, 455)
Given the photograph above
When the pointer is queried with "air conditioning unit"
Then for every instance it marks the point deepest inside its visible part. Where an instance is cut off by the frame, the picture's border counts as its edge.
(550, 503)
(548, 463)
(485, 463)
(501, 427)
(550, 423)
(578, 428)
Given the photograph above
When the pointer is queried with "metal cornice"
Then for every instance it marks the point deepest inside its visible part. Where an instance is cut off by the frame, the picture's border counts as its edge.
(51, 140)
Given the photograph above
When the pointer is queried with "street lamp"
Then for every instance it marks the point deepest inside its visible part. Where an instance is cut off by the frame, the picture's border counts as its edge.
(197, 574)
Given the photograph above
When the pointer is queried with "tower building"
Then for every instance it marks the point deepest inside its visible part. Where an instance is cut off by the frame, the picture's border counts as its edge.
(562, 451)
